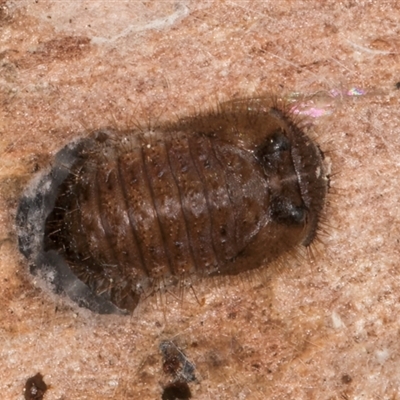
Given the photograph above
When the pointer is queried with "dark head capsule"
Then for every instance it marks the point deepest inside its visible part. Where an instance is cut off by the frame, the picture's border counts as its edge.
(217, 193)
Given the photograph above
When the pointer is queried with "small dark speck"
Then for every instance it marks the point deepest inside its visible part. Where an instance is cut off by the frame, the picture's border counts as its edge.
(49, 17)
(397, 85)
(256, 366)
(346, 378)
(35, 387)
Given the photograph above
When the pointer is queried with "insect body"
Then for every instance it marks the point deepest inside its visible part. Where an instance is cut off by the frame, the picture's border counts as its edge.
(218, 193)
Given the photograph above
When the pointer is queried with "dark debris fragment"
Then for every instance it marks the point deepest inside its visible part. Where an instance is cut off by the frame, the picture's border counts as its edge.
(177, 391)
(180, 370)
(175, 362)
(35, 387)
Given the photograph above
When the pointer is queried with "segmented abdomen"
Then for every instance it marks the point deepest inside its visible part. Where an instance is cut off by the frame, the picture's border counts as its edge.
(157, 208)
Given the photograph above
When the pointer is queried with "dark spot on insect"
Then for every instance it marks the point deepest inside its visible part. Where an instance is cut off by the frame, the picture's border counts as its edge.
(218, 193)
(176, 391)
(346, 379)
(35, 388)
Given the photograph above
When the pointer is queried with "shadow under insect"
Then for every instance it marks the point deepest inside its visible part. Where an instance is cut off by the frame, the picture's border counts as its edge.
(219, 193)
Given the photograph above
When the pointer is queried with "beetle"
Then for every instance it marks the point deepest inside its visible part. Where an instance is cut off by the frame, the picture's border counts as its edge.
(216, 193)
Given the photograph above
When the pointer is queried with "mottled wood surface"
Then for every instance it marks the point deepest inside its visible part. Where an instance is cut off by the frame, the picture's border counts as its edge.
(323, 327)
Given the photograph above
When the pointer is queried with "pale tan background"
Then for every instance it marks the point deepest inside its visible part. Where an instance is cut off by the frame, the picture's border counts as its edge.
(321, 329)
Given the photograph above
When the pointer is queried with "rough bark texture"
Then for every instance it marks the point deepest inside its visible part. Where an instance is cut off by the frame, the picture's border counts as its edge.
(319, 327)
